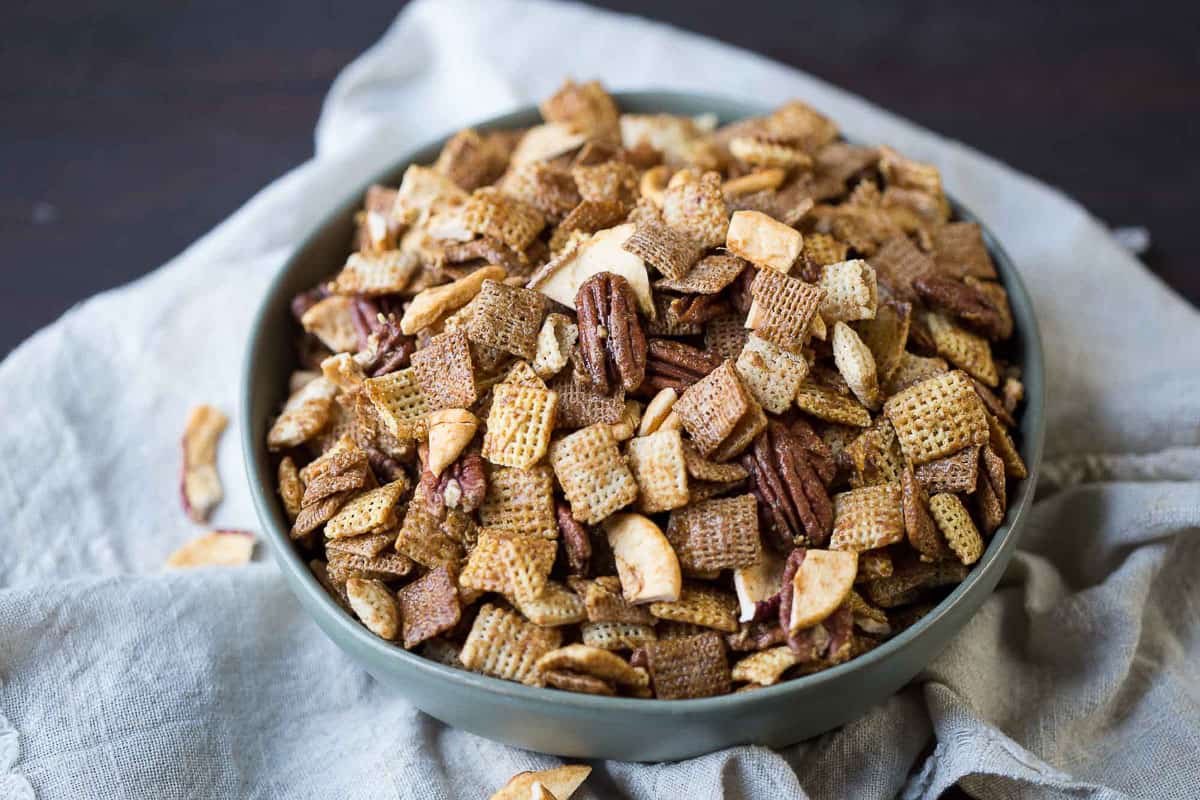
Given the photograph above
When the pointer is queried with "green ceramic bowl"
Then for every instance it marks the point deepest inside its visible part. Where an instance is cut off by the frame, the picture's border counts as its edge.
(579, 725)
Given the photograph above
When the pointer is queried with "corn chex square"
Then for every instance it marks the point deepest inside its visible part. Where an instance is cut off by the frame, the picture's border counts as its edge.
(507, 318)
(504, 645)
(521, 501)
(445, 371)
(605, 602)
(771, 373)
(594, 477)
(555, 605)
(695, 204)
(659, 467)
(519, 425)
(491, 213)
(511, 564)
(821, 249)
(850, 291)
(766, 667)
(616, 635)
(701, 605)
(963, 349)
(956, 525)
(607, 182)
(867, 518)
(368, 513)
(782, 308)
(716, 534)
(373, 274)
(937, 417)
(400, 401)
(856, 365)
(830, 406)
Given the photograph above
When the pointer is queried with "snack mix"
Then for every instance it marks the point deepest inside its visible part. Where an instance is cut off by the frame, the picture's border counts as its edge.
(635, 405)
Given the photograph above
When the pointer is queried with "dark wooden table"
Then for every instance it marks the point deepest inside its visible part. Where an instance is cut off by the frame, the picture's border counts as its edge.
(129, 129)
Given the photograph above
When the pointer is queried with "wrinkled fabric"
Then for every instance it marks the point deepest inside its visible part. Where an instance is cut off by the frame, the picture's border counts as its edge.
(1076, 679)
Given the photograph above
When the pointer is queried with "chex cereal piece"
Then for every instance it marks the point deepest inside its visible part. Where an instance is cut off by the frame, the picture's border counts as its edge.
(512, 221)
(874, 564)
(585, 108)
(555, 605)
(604, 602)
(200, 485)
(556, 340)
(763, 241)
(783, 308)
(305, 414)
(314, 516)
(716, 534)
(850, 292)
(898, 263)
(429, 606)
(369, 545)
(919, 527)
(585, 660)
(764, 151)
(937, 417)
(508, 318)
(445, 372)
(522, 373)
(384, 567)
(472, 159)
(960, 252)
(432, 304)
(963, 349)
(886, 336)
(400, 401)
(822, 249)
(875, 455)
(911, 370)
(547, 187)
(694, 204)
(830, 406)
(607, 182)
(1001, 442)
(422, 539)
(955, 524)
(291, 488)
(520, 500)
(658, 466)
(766, 667)
(376, 225)
(688, 667)
(760, 180)
(702, 469)
(991, 496)
(709, 275)
(374, 274)
(617, 635)
(519, 425)
(511, 564)
(442, 651)
(905, 585)
(574, 682)
(725, 335)
(669, 250)
(701, 605)
(375, 605)
(867, 518)
(771, 373)
(856, 364)
(957, 472)
(332, 321)
(504, 645)
(581, 404)
(712, 407)
(594, 477)
(370, 512)
(587, 217)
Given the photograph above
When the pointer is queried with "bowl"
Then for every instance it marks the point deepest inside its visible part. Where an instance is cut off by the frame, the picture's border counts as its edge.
(586, 726)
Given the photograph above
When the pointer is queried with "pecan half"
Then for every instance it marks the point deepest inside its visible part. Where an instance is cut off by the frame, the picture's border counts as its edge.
(461, 486)
(307, 299)
(760, 635)
(675, 365)
(739, 291)
(697, 309)
(577, 545)
(965, 302)
(791, 494)
(611, 341)
(390, 349)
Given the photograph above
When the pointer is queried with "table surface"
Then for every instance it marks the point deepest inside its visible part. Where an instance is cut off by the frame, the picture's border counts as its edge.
(130, 129)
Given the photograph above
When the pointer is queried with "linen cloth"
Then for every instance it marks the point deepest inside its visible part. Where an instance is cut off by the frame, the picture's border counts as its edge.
(1076, 679)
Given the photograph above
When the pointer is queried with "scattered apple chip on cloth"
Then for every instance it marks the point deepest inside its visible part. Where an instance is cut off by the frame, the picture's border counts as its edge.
(561, 782)
(214, 549)
(201, 486)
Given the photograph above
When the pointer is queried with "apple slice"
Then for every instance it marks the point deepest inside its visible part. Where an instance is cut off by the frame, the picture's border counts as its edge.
(758, 582)
(822, 583)
(218, 548)
(561, 278)
(561, 782)
(646, 563)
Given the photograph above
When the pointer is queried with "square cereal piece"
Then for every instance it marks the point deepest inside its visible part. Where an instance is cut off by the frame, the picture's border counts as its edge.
(585, 108)
(766, 667)
(594, 477)
(507, 318)
(725, 335)
(850, 291)
(314, 516)
(369, 545)
(856, 365)
(429, 607)
(290, 488)
(521, 501)
(875, 455)
(581, 404)
(587, 217)
(956, 526)
(911, 370)
(555, 605)
(400, 401)
(373, 274)
(782, 308)
(716, 534)
(511, 564)
(445, 371)
(522, 373)
(701, 605)
(711, 408)
(743, 435)
(605, 602)
(611, 181)
(519, 425)
(763, 241)
(489, 212)
(306, 413)
(617, 635)
(384, 567)
(1001, 442)
(658, 466)
(689, 667)
(959, 251)
(821, 249)
(922, 532)
(898, 263)
(472, 159)
(958, 472)
(695, 205)
(504, 645)
(771, 373)
(422, 538)
(963, 349)
(547, 187)
(886, 336)
(670, 251)
(709, 276)
(339, 469)
(867, 518)
(368, 513)
(937, 417)
(704, 470)
(830, 406)
(376, 225)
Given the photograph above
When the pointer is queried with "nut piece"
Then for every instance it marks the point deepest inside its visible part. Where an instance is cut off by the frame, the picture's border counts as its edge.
(214, 549)
(201, 485)
(450, 431)
(763, 241)
(646, 564)
(611, 340)
(822, 583)
(657, 411)
(561, 782)
(374, 604)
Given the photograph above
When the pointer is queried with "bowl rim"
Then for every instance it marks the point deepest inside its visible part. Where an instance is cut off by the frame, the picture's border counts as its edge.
(290, 562)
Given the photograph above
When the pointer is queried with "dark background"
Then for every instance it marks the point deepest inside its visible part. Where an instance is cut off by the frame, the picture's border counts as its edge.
(130, 129)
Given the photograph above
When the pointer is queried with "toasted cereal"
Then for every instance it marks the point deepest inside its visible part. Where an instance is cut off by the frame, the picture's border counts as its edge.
(688, 667)
(555, 605)
(658, 466)
(375, 605)
(422, 538)
(507, 318)
(822, 249)
(937, 417)
(226, 548)
(907, 585)
(960, 252)
(555, 342)
(702, 469)
(962, 348)
(504, 645)
(429, 607)
(867, 518)
(694, 204)
(400, 402)
(445, 371)
(201, 486)
(520, 500)
(560, 782)
(991, 499)
(766, 667)
(585, 660)
(700, 605)
(511, 564)
(433, 304)
(666, 249)
(547, 187)
(472, 159)
(763, 151)
(374, 274)
(956, 526)
(850, 292)
(911, 370)
(314, 516)
(856, 364)
(957, 472)
(771, 373)
(875, 456)
(708, 276)
(716, 534)
(922, 532)
(575, 682)
(711, 408)
(594, 477)
(586, 108)
(725, 335)
(368, 545)
(1001, 442)
(291, 488)
(344, 565)
(783, 308)
(830, 406)
(370, 512)
(343, 371)
(332, 321)
(581, 404)
(886, 336)
(617, 635)
(874, 564)
(898, 264)
(610, 181)
(519, 425)
(512, 221)
(305, 414)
